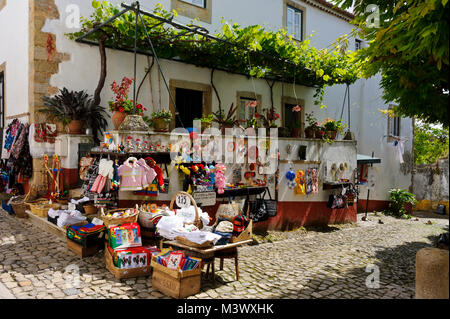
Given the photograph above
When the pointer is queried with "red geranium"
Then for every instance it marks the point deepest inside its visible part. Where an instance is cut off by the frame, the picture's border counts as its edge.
(121, 109)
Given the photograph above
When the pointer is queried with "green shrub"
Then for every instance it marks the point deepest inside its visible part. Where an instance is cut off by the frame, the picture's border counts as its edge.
(398, 198)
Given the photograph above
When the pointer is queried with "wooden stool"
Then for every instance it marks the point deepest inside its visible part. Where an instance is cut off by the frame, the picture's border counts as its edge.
(227, 254)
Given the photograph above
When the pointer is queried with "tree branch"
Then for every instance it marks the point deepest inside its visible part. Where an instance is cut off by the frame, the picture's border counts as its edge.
(215, 90)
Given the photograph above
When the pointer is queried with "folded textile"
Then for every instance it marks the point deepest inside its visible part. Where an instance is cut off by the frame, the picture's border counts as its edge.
(225, 238)
(67, 218)
(82, 200)
(54, 213)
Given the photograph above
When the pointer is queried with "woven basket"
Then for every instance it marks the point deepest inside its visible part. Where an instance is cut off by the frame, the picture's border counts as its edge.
(197, 222)
(184, 241)
(41, 207)
(144, 219)
(109, 221)
(19, 205)
(90, 209)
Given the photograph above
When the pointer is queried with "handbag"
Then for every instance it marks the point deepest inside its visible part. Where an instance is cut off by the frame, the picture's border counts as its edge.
(350, 194)
(337, 201)
(228, 211)
(257, 209)
(271, 204)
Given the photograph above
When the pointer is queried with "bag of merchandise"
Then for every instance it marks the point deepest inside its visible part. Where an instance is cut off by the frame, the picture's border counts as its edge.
(125, 236)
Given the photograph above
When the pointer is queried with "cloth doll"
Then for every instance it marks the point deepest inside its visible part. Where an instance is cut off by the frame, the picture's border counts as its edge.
(315, 181)
(300, 180)
(220, 178)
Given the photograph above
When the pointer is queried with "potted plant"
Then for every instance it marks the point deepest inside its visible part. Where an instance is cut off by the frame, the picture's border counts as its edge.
(74, 110)
(122, 106)
(332, 127)
(268, 118)
(296, 129)
(313, 128)
(227, 121)
(206, 121)
(252, 123)
(161, 120)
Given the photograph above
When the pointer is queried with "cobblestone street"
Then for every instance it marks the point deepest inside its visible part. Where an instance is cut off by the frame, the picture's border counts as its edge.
(313, 263)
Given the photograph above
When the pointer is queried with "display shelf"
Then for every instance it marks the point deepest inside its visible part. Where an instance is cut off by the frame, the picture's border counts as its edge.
(300, 162)
(328, 185)
(244, 191)
(159, 157)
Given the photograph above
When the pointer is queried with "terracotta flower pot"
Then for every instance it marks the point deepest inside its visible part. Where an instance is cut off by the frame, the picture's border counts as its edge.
(295, 132)
(331, 134)
(117, 119)
(75, 126)
(160, 125)
(310, 132)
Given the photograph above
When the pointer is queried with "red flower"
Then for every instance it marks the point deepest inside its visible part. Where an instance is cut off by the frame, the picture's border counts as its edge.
(145, 109)
(121, 109)
(256, 115)
(322, 133)
(139, 106)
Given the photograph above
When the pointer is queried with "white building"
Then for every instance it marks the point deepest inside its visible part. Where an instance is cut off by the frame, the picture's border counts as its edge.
(37, 58)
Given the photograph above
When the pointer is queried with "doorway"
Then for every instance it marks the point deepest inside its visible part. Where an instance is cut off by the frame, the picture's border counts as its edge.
(189, 106)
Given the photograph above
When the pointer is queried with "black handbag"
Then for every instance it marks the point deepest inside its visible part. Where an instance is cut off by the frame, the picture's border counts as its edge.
(270, 204)
(257, 210)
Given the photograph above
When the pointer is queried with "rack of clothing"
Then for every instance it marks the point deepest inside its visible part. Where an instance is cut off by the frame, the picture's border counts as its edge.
(127, 172)
(17, 163)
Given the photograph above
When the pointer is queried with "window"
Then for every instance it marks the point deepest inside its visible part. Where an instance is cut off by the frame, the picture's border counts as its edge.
(294, 22)
(393, 125)
(198, 3)
(358, 44)
(248, 103)
(194, 9)
(247, 108)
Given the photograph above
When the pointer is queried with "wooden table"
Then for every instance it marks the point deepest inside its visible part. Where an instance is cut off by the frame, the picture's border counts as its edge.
(206, 254)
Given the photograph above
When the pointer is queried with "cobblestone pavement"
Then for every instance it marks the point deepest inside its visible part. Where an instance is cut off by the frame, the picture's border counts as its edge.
(313, 263)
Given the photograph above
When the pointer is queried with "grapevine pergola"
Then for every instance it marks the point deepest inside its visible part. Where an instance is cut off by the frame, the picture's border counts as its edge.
(250, 51)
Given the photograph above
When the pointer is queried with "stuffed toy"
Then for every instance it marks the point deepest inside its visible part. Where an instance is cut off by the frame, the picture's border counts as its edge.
(290, 176)
(220, 178)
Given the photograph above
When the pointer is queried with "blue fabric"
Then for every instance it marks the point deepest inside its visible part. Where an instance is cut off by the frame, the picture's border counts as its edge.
(225, 238)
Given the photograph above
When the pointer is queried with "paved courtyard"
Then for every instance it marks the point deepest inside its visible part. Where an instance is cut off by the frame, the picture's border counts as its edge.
(313, 263)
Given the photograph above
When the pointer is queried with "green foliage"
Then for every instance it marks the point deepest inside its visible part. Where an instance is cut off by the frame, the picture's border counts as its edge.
(398, 198)
(206, 119)
(70, 105)
(226, 120)
(411, 49)
(284, 57)
(333, 125)
(430, 143)
(165, 115)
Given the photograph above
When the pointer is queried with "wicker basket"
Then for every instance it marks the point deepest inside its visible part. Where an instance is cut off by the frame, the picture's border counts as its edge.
(197, 222)
(41, 207)
(90, 209)
(109, 221)
(19, 205)
(184, 241)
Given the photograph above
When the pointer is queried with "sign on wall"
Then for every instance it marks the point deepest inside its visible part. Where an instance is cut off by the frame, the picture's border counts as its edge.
(205, 198)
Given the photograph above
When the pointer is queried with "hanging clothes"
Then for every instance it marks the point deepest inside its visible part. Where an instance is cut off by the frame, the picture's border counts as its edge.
(105, 172)
(159, 172)
(133, 176)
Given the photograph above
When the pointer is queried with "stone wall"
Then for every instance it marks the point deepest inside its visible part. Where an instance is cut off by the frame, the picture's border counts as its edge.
(44, 60)
(430, 185)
